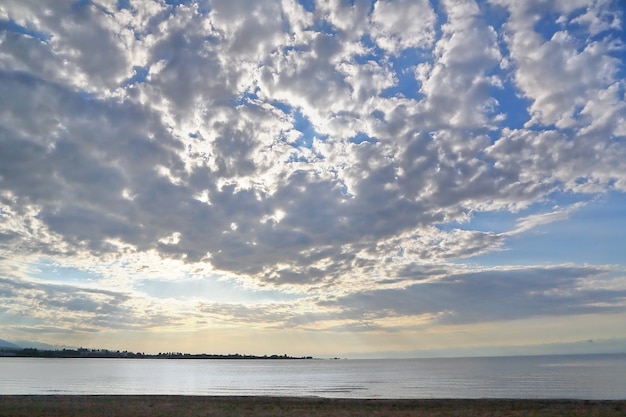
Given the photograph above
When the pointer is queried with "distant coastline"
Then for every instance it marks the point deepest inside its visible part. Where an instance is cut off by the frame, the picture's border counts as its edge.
(106, 353)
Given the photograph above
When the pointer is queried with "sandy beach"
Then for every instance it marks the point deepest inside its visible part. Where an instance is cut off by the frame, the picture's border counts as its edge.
(187, 406)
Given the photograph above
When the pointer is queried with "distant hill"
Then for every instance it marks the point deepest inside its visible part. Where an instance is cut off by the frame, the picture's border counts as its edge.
(8, 345)
(39, 345)
(26, 344)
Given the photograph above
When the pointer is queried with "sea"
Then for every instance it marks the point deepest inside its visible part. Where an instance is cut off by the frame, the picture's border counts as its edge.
(592, 377)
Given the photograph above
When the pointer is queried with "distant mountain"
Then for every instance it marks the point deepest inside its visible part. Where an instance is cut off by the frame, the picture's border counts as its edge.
(8, 345)
(41, 346)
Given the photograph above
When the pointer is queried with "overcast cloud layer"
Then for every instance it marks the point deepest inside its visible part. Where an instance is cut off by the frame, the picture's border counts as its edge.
(243, 172)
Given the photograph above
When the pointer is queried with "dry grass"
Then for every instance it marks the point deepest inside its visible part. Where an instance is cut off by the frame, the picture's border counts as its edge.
(182, 406)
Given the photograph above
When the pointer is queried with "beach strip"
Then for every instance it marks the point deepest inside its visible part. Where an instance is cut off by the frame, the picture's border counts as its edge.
(196, 406)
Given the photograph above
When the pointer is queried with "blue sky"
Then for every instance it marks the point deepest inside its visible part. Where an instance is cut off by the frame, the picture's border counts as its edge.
(361, 178)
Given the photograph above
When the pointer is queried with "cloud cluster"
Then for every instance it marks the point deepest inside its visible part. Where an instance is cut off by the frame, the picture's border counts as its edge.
(329, 149)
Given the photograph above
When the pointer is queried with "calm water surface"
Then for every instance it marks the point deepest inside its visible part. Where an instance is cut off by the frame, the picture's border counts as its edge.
(571, 376)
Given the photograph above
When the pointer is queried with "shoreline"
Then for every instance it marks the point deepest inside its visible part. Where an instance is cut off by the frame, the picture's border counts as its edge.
(262, 406)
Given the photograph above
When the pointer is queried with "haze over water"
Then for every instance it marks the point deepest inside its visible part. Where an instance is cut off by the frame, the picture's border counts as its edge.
(565, 376)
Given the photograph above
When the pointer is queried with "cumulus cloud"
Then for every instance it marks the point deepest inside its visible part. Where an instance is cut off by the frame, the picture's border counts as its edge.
(573, 72)
(342, 149)
(395, 27)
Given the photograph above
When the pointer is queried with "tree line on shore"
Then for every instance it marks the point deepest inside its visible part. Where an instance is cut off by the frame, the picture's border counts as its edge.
(105, 353)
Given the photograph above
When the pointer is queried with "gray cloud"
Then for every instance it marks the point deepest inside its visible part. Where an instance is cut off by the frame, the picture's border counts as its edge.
(78, 308)
(491, 295)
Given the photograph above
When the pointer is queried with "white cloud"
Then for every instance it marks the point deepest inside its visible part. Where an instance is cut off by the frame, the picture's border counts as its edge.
(529, 222)
(560, 74)
(399, 25)
(349, 17)
(457, 85)
(599, 17)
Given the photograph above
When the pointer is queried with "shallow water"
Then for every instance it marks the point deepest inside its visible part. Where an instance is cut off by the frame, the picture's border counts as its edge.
(570, 376)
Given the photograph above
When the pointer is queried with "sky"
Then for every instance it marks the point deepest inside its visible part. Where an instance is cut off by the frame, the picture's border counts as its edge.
(366, 178)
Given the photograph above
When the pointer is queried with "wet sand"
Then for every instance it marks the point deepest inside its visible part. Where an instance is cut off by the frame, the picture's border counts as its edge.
(192, 406)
